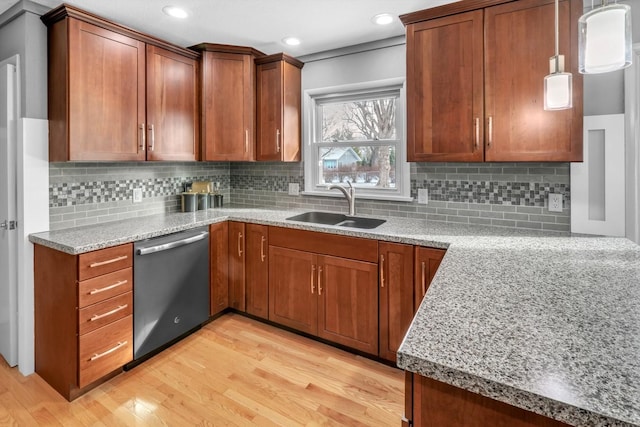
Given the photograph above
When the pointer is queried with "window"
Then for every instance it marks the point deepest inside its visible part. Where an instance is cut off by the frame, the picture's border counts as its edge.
(355, 134)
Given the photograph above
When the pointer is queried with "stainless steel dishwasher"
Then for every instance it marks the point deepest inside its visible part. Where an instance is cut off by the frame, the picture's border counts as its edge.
(170, 289)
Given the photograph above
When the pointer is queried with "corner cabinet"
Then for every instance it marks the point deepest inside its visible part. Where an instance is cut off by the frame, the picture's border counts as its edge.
(116, 94)
(279, 108)
(83, 316)
(228, 81)
(475, 82)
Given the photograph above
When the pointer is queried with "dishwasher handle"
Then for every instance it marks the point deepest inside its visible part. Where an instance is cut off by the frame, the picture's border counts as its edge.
(173, 245)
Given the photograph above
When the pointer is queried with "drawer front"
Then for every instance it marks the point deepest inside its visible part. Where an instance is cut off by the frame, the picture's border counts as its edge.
(100, 314)
(104, 287)
(104, 261)
(105, 350)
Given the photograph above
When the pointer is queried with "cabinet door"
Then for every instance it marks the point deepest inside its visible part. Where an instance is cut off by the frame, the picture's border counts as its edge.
(219, 266)
(518, 45)
(445, 89)
(228, 106)
(257, 271)
(237, 256)
(396, 296)
(427, 261)
(293, 299)
(269, 111)
(106, 109)
(172, 111)
(348, 302)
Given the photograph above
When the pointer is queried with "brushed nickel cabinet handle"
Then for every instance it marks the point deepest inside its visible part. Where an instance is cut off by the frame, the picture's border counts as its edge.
(108, 313)
(278, 140)
(152, 138)
(109, 261)
(240, 245)
(382, 271)
(107, 288)
(246, 140)
(143, 136)
(490, 139)
(262, 255)
(111, 350)
(313, 273)
(320, 280)
(423, 279)
(476, 125)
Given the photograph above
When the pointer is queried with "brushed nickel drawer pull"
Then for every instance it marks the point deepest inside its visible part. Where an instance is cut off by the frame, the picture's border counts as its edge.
(153, 137)
(111, 350)
(278, 140)
(109, 261)
(423, 280)
(319, 280)
(490, 141)
(476, 126)
(313, 273)
(246, 140)
(382, 271)
(108, 313)
(239, 245)
(108, 288)
(143, 142)
(262, 255)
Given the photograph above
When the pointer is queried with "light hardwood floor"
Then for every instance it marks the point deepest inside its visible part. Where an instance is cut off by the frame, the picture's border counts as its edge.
(234, 371)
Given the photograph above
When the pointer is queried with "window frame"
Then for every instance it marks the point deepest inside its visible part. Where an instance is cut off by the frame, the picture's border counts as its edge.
(313, 98)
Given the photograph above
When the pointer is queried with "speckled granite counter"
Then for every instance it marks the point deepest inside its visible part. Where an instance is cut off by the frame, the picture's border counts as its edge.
(546, 322)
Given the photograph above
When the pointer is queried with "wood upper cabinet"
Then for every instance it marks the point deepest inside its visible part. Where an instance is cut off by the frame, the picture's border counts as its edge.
(116, 94)
(278, 108)
(172, 108)
(396, 296)
(257, 270)
(475, 82)
(445, 89)
(427, 261)
(237, 259)
(219, 266)
(228, 81)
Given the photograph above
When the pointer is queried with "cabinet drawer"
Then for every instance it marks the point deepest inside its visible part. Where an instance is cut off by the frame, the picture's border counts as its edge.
(104, 261)
(104, 287)
(325, 243)
(94, 316)
(105, 350)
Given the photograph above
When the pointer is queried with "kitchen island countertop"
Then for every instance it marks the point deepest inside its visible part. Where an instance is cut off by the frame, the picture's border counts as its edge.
(548, 322)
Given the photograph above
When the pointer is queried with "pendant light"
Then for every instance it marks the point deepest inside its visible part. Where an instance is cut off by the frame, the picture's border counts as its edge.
(558, 93)
(605, 38)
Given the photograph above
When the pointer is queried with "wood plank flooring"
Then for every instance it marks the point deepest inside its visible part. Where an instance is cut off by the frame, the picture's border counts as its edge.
(233, 372)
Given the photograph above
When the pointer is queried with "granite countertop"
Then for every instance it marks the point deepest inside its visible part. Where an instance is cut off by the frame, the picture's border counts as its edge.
(549, 322)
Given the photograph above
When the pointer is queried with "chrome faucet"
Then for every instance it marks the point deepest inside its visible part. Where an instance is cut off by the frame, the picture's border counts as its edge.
(349, 194)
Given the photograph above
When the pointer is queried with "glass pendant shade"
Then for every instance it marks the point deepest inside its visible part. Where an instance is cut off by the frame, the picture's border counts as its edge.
(557, 91)
(605, 39)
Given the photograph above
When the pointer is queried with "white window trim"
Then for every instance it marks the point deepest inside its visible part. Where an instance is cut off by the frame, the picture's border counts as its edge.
(310, 155)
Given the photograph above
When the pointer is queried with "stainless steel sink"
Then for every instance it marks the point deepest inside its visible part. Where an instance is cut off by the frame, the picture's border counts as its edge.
(329, 218)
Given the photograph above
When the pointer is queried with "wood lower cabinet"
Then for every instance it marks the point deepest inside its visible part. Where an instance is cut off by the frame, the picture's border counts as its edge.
(396, 296)
(219, 266)
(431, 403)
(237, 260)
(257, 270)
(83, 316)
(475, 82)
(313, 288)
(116, 94)
(228, 81)
(426, 263)
(279, 130)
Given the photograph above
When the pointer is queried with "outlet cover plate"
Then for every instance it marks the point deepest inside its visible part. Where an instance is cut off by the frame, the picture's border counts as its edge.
(423, 196)
(555, 202)
(137, 195)
(294, 189)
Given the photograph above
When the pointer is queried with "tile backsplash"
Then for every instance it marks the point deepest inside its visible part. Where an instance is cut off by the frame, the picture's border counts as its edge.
(499, 194)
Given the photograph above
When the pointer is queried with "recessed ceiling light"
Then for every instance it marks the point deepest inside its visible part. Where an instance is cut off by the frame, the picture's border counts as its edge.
(291, 41)
(382, 19)
(175, 12)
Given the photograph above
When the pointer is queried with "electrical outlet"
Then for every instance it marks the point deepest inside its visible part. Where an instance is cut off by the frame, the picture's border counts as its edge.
(555, 202)
(294, 189)
(137, 195)
(423, 196)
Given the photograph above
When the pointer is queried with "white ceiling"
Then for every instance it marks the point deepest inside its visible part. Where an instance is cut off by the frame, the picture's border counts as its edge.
(262, 24)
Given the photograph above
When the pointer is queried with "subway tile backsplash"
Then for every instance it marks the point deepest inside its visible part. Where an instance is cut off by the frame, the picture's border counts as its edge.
(499, 194)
